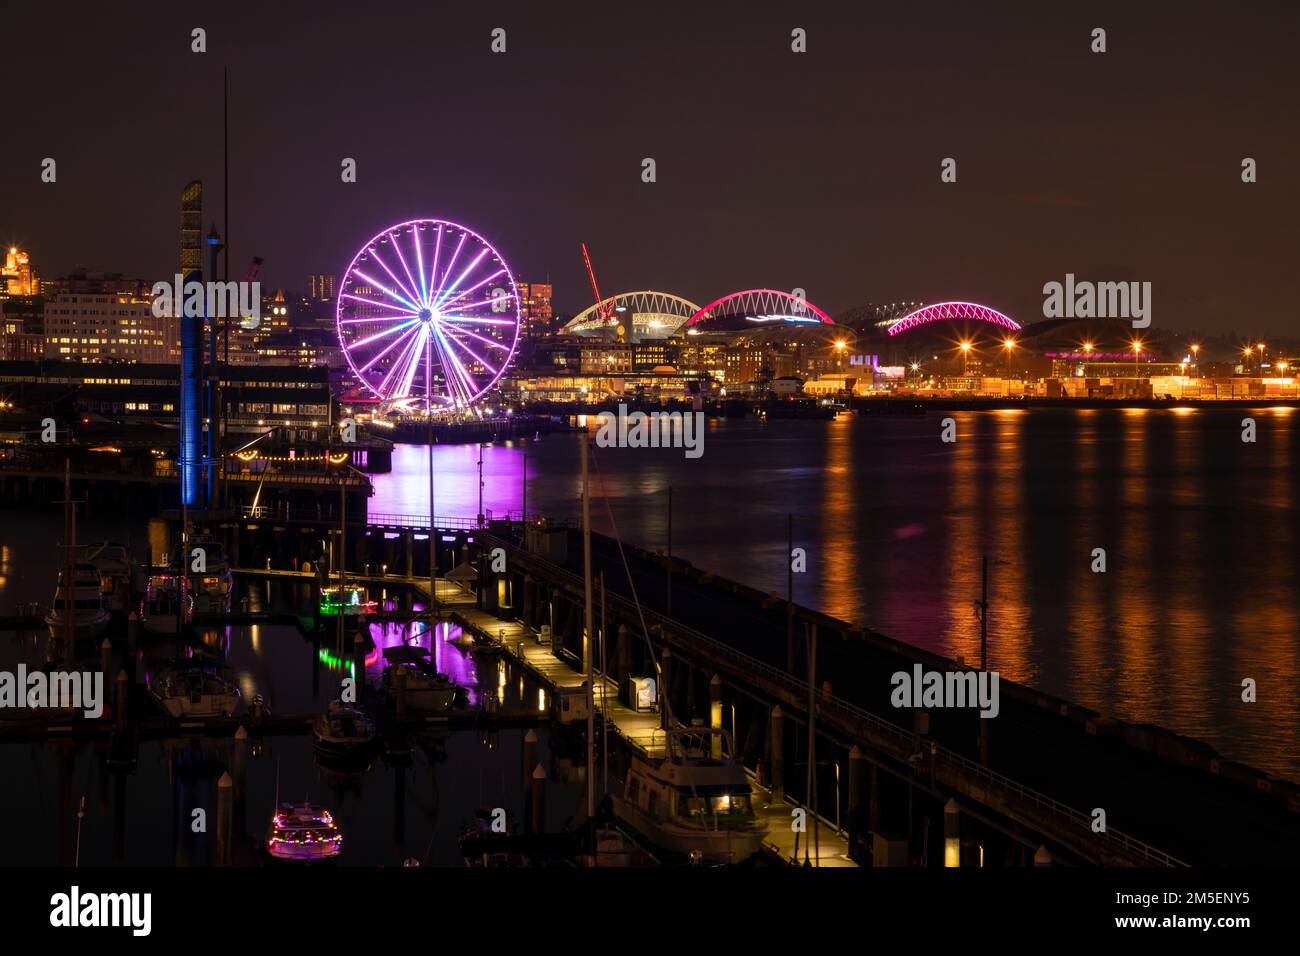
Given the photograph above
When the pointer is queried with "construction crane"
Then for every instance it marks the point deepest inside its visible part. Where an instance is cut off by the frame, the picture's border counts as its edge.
(603, 312)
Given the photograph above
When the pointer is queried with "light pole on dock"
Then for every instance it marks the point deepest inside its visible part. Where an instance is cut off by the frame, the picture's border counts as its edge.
(589, 634)
(668, 605)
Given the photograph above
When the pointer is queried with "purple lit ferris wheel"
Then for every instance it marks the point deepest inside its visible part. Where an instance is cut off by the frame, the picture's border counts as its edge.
(428, 315)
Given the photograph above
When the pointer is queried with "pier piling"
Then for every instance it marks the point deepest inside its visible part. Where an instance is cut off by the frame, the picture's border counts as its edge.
(225, 808)
(777, 738)
(539, 799)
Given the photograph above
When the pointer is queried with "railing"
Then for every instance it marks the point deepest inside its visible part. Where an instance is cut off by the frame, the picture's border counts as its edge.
(284, 512)
(829, 704)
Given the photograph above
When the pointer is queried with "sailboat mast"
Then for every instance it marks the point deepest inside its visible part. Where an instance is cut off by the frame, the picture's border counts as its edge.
(588, 648)
(69, 546)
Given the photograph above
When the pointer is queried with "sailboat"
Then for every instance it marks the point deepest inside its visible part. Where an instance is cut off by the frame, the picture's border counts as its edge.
(80, 595)
(77, 611)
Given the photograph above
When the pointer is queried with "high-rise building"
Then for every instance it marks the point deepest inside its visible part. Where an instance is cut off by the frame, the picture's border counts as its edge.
(535, 306)
(322, 287)
(90, 327)
(17, 276)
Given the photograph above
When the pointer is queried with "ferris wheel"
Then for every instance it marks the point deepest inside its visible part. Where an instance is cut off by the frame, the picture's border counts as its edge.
(428, 315)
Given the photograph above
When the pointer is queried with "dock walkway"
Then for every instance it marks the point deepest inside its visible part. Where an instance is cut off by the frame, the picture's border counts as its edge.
(642, 731)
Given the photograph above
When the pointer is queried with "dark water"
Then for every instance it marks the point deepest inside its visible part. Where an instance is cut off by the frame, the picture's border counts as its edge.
(1202, 581)
(385, 820)
(1201, 590)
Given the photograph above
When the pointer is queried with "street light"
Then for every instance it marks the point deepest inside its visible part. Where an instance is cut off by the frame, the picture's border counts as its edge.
(1137, 351)
(1009, 344)
(965, 358)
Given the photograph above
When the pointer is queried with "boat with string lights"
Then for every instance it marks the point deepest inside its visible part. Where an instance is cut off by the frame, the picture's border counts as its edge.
(349, 600)
(303, 833)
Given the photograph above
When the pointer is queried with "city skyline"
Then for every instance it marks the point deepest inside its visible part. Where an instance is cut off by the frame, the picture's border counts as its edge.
(795, 195)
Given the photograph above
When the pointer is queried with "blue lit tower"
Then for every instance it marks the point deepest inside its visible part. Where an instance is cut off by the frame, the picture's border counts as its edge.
(210, 463)
(190, 453)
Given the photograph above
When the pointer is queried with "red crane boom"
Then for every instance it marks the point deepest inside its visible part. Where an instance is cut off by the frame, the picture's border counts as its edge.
(605, 312)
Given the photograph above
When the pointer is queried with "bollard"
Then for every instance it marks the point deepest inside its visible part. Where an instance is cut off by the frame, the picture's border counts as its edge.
(951, 834)
(359, 666)
(715, 714)
(1042, 857)
(224, 807)
(132, 634)
(530, 754)
(539, 799)
(240, 762)
(105, 656)
(399, 682)
(120, 700)
(777, 742)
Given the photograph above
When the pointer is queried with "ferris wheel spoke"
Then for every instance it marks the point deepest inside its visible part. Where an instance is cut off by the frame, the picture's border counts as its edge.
(400, 363)
(448, 381)
(451, 264)
(476, 285)
(467, 380)
(383, 288)
(433, 266)
(374, 303)
(417, 290)
(475, 356)
(404, 316)
(374, 253)
(486, 303)
(461, 278)
(375, 358)
(413, 362)
(379, 335)
(482, 338)
(474, 320)
(419, 266)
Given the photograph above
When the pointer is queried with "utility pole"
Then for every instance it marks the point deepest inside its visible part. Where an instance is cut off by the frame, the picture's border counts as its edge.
(433, 532)
(669, 603)
(789, 596)
(480, 484)
(982, 606)
(523, 514)
(588, 641)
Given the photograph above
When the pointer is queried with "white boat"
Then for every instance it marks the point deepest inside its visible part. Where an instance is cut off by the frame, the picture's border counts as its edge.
(194, 689)
(211, 587)
(89, 616)
(695, 800)
(167, 605)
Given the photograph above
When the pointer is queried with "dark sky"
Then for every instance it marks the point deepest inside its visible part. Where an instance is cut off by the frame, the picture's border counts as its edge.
(818, 170)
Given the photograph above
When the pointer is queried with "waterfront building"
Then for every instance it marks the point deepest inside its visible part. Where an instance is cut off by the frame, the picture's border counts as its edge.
(322, 287)
(106, 327)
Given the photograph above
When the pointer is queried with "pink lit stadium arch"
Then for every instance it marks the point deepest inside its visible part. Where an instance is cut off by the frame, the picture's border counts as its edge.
(942, 311)
(763, 305)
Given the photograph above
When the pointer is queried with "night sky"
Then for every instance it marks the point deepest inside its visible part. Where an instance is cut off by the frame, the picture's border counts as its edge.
(818, 170)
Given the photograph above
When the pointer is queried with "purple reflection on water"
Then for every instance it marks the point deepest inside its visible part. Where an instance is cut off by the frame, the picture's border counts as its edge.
(405, 490)
(445, 650)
